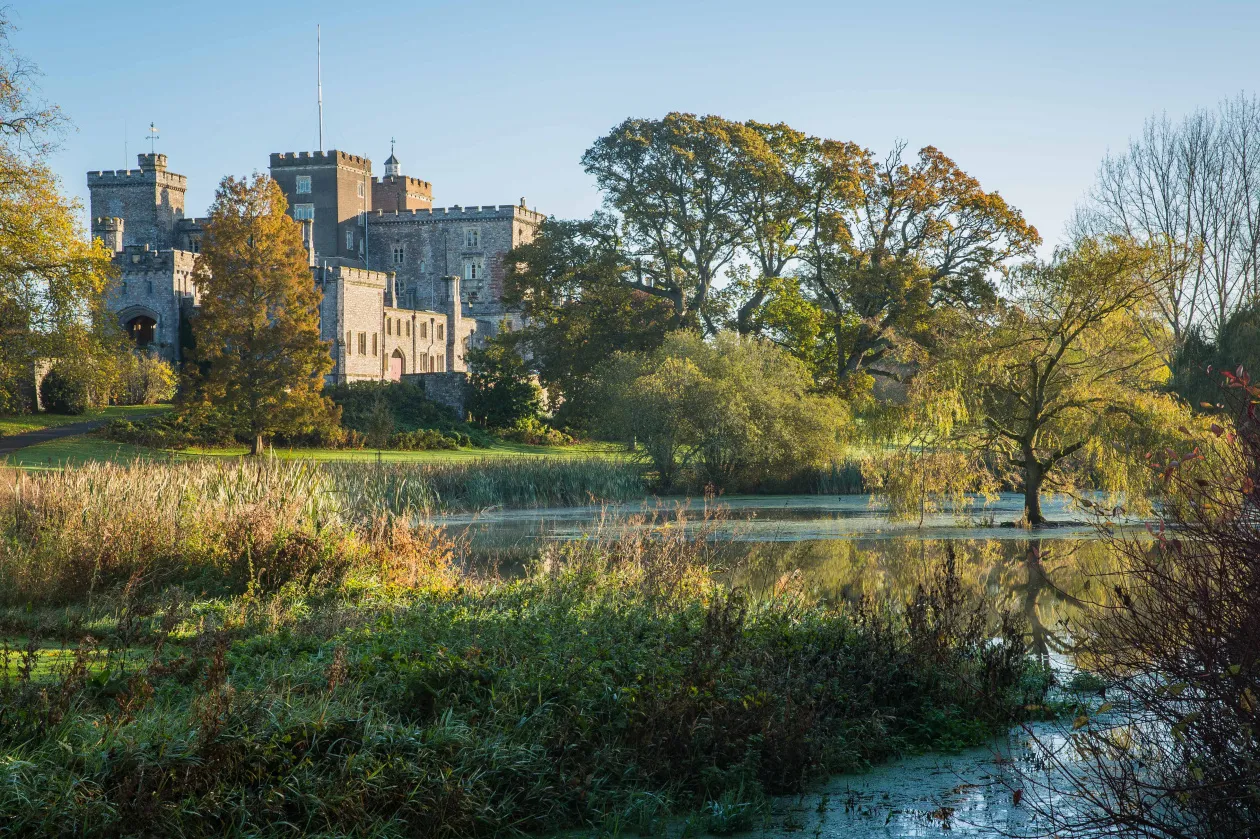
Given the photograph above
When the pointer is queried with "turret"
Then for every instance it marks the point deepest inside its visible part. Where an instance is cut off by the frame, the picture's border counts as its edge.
(109, 230)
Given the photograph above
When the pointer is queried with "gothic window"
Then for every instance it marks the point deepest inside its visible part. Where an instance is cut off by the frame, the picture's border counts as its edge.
(474, 268)
(362, 343)
(303, 212)
(472, 237)
(360, 189)
(349, 240)
(424, 266)
(399, 254)
(303, 184)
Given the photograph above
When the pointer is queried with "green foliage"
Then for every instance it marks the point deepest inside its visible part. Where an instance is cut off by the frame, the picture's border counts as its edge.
(64, 392)
(1063, 381)
(733, 412)
(1198, 360)
(344, 675)
(575, 287)
(501, 391)
(392, 409)
(534, 432)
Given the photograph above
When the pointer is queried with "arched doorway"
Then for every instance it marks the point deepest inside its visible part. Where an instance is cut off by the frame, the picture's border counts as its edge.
(397, 364)
(142, 329)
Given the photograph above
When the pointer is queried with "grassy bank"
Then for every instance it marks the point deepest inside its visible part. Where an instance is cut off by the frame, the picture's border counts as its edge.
(302, 661)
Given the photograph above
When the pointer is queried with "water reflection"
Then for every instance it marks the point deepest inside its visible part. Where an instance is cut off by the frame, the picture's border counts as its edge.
(842, 548)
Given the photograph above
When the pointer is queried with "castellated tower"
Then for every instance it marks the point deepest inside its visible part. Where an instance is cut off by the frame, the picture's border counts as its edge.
(332, 189)
(149, 200)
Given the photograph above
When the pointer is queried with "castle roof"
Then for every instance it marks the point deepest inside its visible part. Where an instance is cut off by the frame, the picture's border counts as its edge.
(391, 160)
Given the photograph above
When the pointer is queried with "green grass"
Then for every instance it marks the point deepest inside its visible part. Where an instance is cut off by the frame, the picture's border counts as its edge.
(81, 449)
(22, 423)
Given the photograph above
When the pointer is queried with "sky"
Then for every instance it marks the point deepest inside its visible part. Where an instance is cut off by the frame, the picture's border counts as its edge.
(495, 101)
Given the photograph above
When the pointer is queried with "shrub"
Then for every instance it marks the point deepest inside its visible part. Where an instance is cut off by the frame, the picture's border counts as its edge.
(185, 428)
(63, 392)
(534, 432)
(407, 405)
(145, 379)
(732, 412)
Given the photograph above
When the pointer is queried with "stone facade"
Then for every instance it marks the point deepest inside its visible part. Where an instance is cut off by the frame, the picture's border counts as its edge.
(407, 289)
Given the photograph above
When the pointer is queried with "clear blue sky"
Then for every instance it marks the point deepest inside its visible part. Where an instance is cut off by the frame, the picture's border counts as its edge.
(492, 101)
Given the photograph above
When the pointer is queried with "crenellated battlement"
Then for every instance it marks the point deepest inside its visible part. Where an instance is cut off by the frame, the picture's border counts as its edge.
(364, 276)
(457, 213)
(319, 158)
(108, 177)
(403, 179)
(133, 258)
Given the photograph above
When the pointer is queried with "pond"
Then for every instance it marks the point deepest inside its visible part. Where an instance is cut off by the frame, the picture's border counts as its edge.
(842, 547)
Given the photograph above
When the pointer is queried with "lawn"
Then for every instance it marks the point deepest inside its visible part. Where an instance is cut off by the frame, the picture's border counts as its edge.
(22, 423)
(81, 449)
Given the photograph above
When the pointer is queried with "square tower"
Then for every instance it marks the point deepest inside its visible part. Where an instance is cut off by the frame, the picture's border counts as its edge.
(148, 200)
(332, 189)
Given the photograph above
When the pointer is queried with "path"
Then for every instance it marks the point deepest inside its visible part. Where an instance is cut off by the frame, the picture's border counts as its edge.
(14, 442)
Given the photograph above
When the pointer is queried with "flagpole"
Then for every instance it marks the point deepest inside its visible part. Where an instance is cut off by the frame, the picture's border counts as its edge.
(319, 87)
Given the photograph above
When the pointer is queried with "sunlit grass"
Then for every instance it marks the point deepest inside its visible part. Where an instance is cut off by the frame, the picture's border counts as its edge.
(22, 423)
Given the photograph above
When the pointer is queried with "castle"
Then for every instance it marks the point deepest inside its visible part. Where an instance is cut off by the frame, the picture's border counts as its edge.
(407, 288)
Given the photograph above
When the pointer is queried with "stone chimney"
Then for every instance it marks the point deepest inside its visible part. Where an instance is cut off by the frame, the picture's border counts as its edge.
(454, 318)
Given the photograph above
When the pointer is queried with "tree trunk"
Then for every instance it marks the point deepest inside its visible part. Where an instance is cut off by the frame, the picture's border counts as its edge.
(256, 447)
(1033, 476)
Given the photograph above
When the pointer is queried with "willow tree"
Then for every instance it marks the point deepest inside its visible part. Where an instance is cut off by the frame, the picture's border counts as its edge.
(1061, 382)
(261, 362)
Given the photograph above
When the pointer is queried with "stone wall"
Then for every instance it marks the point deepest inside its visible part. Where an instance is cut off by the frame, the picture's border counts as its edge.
(154, 284)
(447, 389)
(341, 192)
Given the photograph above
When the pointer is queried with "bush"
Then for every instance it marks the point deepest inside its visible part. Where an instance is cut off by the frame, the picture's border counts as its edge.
(145, 379)
(730, 413)
(180, 429)
(534, 432)
(63, 392)
(406, 404)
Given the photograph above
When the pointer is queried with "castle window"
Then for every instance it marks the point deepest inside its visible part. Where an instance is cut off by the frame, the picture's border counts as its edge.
(349, 343)
(424, 266)
(408, 328)
(472, 237)
(362, 343)
(149, 283)
(349, 240)
(441, 328)
(441, 365)
(400, 253)
(303, 212)
(375, 338)
(474, 269)
(424, 330)
(360, 189)
(303, 184)
(389, 326)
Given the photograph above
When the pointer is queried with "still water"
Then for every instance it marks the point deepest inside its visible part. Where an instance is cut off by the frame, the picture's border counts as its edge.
(842, 547)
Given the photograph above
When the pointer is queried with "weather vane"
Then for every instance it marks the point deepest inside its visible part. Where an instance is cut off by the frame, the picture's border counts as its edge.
(153, 138)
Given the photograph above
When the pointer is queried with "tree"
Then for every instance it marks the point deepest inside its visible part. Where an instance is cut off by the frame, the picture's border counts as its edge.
(1199, 356)
(733, 411)
(1177, 643)
(1062, 378)
(892, 243)
(53, 280)
(501, 390)
(257, 333)
(675, 183)
(574, 286)
(1190, 190)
